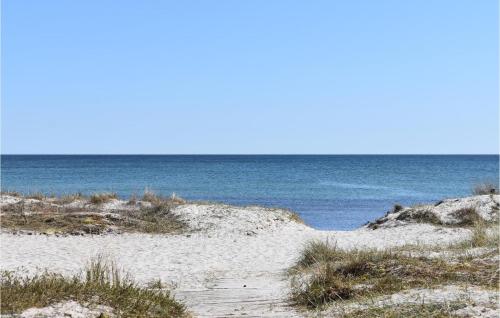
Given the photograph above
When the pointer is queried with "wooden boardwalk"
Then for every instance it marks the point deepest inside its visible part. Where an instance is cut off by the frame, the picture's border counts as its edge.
(235, 297)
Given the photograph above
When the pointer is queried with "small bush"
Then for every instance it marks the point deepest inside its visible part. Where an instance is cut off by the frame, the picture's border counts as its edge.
(397, 208)
(100, 198)
(467, 217)
(101, 282)
(485, 188)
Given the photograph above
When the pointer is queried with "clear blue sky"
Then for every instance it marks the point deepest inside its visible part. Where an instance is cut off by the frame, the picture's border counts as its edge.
(250, 76)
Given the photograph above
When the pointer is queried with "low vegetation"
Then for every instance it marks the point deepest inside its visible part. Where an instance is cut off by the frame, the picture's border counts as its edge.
(100, 198)
(325, 274)
(467, 217)
(295, 217)
(155, 219)
(397, 208)
(60, 216)
(155, 199)
(69, 198)
(485, 188)
(11, 193)
(36, 196)
(100, 284)
(420, 216)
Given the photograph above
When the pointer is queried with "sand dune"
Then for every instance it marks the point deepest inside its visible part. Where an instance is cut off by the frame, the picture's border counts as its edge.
(231, 263)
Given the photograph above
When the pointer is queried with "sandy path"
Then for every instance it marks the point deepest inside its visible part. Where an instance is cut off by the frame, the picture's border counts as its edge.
(216, 273)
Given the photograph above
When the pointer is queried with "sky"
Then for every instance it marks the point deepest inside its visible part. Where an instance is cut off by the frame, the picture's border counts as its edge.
(250, 77)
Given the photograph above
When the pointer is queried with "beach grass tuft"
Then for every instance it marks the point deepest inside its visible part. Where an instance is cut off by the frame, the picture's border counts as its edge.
(325, 274)
(295, 217)
(156, 199)
(100, 198)
(467, 217)
(485, 188)
(155, 219)
(101, 283)
(69, 198)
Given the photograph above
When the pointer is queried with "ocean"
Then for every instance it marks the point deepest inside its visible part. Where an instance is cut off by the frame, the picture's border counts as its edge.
(331, 192)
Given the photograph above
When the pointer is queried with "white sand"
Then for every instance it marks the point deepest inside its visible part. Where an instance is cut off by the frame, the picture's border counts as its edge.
(477, 302)
(233, 264)
(66, 309)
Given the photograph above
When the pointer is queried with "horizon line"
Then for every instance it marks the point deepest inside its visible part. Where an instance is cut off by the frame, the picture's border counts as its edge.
(250, 154)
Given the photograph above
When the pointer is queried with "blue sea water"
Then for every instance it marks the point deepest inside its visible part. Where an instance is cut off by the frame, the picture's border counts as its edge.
(329, 191)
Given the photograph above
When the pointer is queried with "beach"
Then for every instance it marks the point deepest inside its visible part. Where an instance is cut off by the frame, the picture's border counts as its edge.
(231, 262)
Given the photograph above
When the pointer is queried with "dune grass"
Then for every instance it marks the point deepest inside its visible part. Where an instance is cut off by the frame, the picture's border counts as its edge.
(156, 219)
(101, 283)
(325, 274)
(69, 198)
(156, 199)
(467, 216)
(419, 216)
(11, 193)
(36, 196)
(100, 198)
(485, 188)
(57, 216)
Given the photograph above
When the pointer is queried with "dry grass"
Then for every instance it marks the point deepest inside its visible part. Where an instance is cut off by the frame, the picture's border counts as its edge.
(485, 188)
(420, 216)
(156, 199)
(326, 274)
(156, 219)
(54, 216)
(100, 198)
(11, 193)
(317, 252)
(480, 237)
(295, 217)
(56, 223)
(37, 196)
(69, 198)
(132, 200)
(467, 217)
(101, 283)
(152, 197)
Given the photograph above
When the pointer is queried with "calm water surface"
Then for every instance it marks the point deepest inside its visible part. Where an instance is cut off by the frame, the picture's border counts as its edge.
(329, 192)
